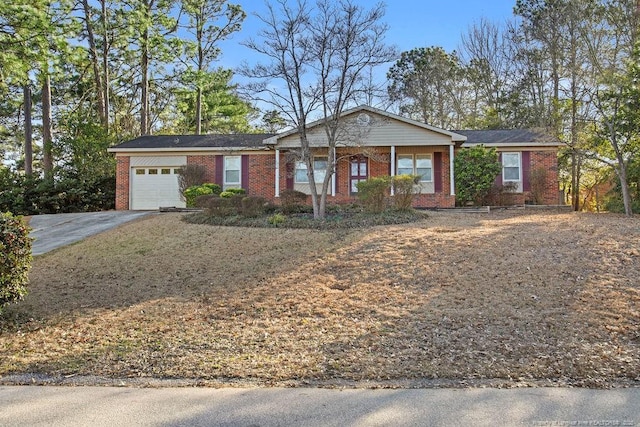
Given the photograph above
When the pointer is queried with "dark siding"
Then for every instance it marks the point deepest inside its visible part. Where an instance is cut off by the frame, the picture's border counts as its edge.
(499, 177)
(289, 176)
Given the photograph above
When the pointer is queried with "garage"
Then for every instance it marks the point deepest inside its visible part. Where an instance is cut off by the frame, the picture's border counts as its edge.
(154, 182)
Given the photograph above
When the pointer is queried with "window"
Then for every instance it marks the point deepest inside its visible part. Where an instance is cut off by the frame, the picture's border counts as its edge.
(319, 170)
(140, 171)
(418, 164)
(153, 171)
(511, 167)
(165, 171)
(232, 171)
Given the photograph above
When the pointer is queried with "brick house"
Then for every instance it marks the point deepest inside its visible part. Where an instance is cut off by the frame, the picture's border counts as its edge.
(372, 143)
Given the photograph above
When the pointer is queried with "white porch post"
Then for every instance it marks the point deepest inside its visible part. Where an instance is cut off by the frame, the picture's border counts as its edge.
(277, 190)
(452, 175)
(333, 176)
(393, 164)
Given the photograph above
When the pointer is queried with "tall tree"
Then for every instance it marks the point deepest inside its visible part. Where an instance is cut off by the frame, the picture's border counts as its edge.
(210, 21)
(321, 55)
(424, 81)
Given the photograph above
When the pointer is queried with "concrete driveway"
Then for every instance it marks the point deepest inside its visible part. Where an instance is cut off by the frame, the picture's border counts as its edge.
(53, 231)
(102, 406)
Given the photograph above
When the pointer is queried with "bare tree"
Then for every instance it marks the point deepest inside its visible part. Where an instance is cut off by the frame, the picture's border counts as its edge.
(322, 55)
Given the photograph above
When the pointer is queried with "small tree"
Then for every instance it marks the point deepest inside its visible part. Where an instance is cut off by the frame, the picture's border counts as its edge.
(476, 170)
(190, 176)
(15, 245)
(373, 192)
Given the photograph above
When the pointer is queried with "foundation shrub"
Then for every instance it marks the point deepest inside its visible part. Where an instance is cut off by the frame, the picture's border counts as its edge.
(373, 192)
(292, 201)
(404, 190)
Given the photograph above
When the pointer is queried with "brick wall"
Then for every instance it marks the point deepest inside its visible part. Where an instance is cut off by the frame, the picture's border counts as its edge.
(547, 160)
(122, 182)
(262, 169)
(208, 162)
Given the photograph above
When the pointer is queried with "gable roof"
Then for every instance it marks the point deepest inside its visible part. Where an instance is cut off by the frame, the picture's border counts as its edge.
(186, 142)
(455, 137)
(507, 137)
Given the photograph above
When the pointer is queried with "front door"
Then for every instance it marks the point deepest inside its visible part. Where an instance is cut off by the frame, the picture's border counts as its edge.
(358, 172)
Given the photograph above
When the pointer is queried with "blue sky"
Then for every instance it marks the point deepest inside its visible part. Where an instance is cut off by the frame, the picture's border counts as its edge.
(412, 23)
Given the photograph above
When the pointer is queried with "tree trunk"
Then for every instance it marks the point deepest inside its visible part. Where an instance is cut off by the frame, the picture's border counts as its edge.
(105, 65)
(28, 132)
(47, 138)
(144, 98)
(198, 110)
(95, 63)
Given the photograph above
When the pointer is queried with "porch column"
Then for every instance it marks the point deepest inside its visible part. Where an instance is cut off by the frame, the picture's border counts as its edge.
(393, 164)
(333, 176)
(277, 189)
(452, 176)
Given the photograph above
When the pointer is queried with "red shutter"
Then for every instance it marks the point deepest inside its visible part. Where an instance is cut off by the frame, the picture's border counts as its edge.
(526, 170)
(498, 181)
(290, 172)
(437, 172)
(219, 171)
(244, 172)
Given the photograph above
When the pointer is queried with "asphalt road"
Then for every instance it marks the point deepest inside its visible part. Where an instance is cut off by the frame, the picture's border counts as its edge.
(266, 407)
(54, 231)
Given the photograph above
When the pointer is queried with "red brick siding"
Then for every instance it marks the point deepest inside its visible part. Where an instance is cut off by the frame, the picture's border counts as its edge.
(262, 169)
(547, 160)
(123, 171)
(208, 162)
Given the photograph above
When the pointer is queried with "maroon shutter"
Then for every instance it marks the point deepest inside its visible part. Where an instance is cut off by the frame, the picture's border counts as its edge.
(244, 172)
(437, 172)
(290, 172)
(526, 170)
(498, 181)
(219, 171)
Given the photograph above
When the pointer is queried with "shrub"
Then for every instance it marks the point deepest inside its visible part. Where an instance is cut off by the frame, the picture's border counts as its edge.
(501, 195)
(373, 192)
(192, 193)
(276, 219)
(230, 192)
(203, 200)
(404, 190)
(292, 201)
(215, 188)
(253, 206)
(476, 170)
(15, 245)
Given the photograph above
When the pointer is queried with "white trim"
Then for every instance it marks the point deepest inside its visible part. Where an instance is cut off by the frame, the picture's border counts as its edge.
(414, 163)
(277, 189)
(225, 184)
(452, 176)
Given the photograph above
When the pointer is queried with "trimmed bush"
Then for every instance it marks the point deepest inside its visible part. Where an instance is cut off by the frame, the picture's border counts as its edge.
(404, 190)
(292, 201)
(15, 245)
(232, 192)
(253, 206)
(373, 192)
(192, 193)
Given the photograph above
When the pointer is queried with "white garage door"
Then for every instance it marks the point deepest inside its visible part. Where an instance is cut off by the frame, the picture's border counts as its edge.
(153, 187)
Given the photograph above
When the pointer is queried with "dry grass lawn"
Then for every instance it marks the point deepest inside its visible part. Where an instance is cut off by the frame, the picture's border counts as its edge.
(507, 298)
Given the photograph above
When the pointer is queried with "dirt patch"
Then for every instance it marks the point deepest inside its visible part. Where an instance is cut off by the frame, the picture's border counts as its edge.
(500, 298)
